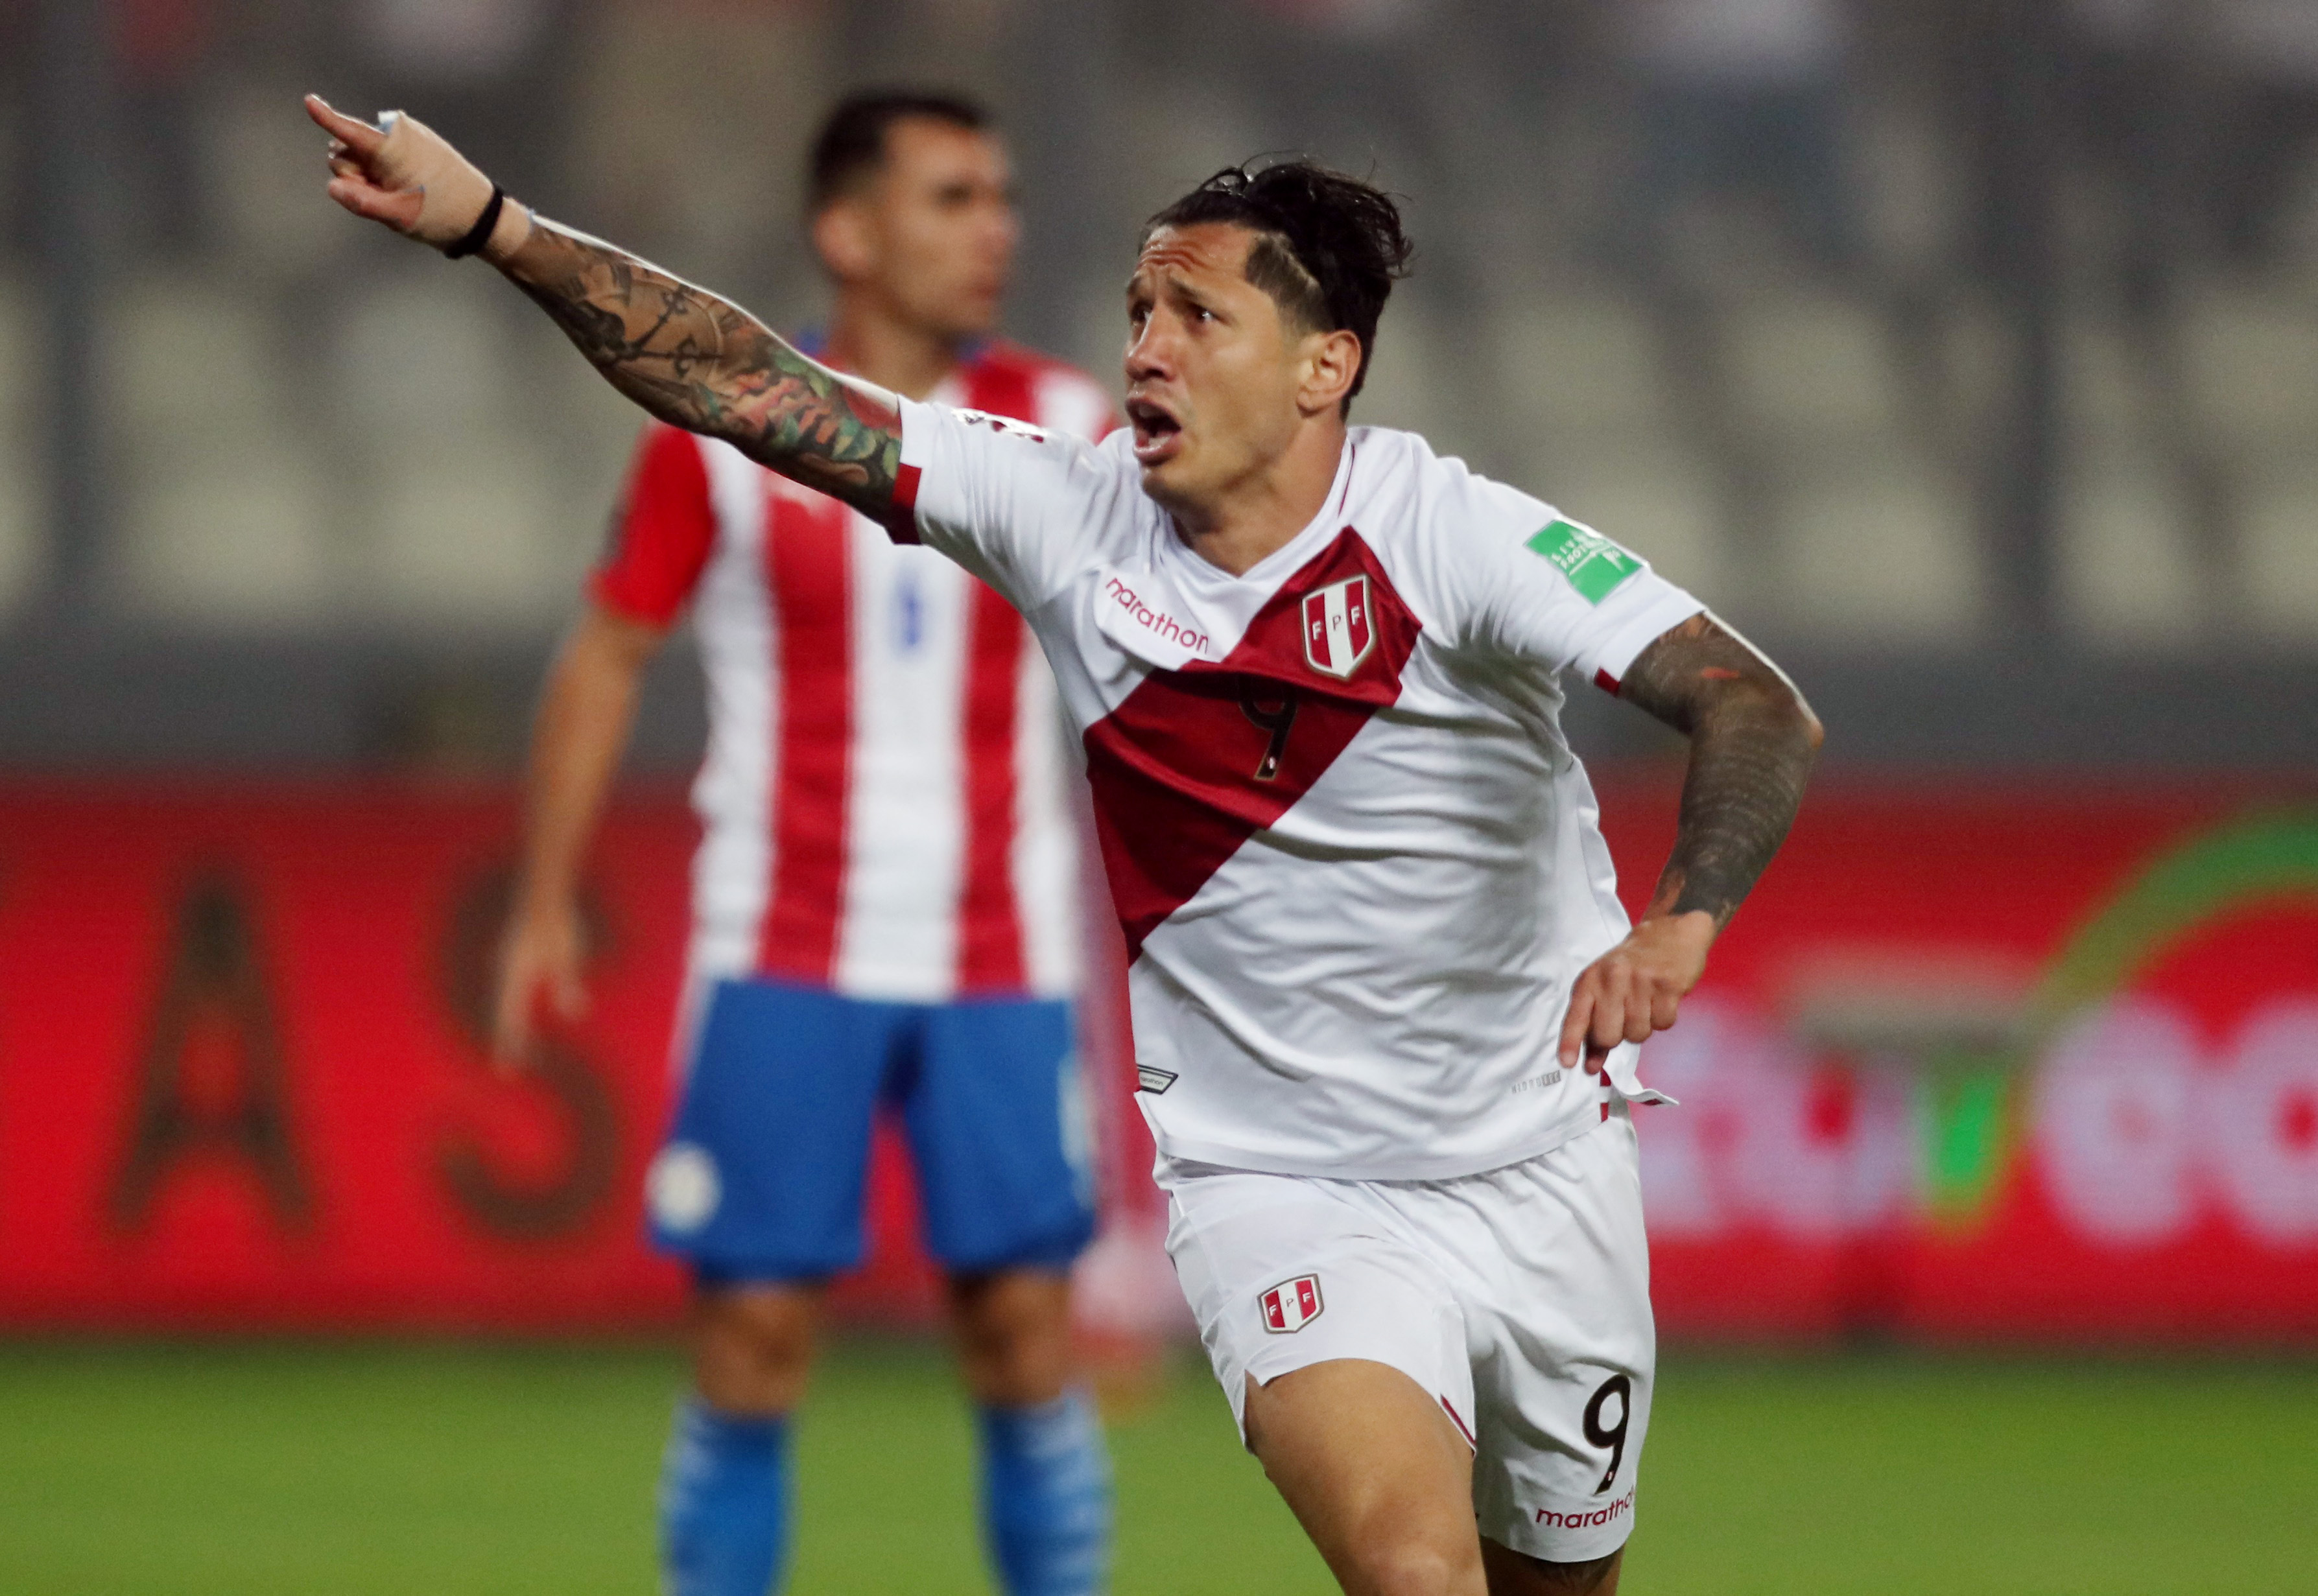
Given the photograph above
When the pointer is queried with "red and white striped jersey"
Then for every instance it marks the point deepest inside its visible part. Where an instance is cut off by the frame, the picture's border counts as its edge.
(885, 797)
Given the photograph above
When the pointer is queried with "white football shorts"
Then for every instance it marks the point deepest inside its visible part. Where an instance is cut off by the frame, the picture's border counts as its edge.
(1518, 1299)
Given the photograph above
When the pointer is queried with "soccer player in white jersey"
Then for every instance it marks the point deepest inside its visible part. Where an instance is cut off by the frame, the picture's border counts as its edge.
(884, 898)
(1386, 1001)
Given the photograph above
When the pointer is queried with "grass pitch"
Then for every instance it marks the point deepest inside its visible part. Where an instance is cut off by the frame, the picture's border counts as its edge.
(207, 1469)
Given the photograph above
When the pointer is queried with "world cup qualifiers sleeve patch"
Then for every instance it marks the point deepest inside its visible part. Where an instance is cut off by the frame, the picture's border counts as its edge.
(1595, 565)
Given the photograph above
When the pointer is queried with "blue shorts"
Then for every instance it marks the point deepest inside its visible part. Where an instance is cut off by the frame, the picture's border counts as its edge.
(764, 1175)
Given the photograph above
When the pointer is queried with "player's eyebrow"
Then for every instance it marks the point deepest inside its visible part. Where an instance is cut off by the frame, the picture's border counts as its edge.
(1182, 289)
(1169, 282)
(1148, 286)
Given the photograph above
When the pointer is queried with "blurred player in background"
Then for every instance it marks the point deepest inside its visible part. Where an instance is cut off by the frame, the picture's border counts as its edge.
(1387, 1003)
(883, 901)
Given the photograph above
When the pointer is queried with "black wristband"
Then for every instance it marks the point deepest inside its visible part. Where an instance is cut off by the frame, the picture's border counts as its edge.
(481, 233)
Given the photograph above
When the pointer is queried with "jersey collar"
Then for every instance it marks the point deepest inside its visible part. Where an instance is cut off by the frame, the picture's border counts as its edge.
(1276, 566)
(1223, 604)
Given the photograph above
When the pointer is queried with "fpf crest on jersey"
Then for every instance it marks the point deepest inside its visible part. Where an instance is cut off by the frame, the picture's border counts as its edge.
(1337, 635)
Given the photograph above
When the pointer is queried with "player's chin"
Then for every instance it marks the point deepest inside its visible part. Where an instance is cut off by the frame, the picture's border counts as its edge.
(966, 329)
(970, 315)
(1167, 476)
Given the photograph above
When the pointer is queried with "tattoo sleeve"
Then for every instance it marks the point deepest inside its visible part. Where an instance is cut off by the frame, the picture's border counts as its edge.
(1752, 744)
(703, 364)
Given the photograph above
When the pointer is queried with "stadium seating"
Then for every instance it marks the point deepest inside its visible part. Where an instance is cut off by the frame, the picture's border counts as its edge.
(1877, 550)
(1808, 441)
(239, 537)
(21, 477)
(2127, 564)
(1807, 372)
(2279, 525)
(221, 517)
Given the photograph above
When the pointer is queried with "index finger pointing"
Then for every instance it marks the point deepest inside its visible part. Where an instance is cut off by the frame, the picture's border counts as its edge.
(1574, 1026)
(358, 134)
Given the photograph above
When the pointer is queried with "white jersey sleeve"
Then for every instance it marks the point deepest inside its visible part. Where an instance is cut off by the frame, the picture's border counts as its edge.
(1009, 501)
(1529, 585)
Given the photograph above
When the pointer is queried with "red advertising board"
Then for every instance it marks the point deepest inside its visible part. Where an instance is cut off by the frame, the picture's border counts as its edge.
(1998, 1063)
(242, 1078)
(1973, 1062)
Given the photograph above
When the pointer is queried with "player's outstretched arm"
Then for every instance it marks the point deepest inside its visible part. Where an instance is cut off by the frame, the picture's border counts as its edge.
(688, 356)
(700, 362)
(1753, 742)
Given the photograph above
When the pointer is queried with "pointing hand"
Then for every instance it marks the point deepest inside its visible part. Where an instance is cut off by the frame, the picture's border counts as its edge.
(404, 174)
(1635, 988)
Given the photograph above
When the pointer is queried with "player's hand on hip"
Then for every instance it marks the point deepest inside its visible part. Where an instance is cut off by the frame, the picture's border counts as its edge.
(404, 173)
(545, 948)
(1635, 988)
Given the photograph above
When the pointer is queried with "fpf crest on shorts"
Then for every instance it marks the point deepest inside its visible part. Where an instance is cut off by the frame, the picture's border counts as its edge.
(1290, 1305)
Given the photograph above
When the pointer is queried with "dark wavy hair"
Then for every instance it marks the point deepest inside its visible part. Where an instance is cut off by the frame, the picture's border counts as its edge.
(1328, 247)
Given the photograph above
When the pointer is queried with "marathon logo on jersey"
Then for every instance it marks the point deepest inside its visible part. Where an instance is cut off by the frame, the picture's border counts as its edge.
(1290, 1305)
(1595, 565)
(1150, 1078)
(1337, 631)
(1145, 618)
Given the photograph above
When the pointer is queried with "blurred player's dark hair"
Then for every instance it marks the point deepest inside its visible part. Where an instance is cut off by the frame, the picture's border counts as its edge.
(1328, 248)
(850, 147)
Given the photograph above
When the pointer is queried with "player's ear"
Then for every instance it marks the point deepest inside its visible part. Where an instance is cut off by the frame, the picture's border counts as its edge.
(1332, 360)
(844, 238)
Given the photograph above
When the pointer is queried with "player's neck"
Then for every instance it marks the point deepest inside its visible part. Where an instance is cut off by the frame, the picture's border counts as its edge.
(1263, 512)
(867, 340)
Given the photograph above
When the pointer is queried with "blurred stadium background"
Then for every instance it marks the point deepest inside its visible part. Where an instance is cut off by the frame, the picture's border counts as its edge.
(1964, 355)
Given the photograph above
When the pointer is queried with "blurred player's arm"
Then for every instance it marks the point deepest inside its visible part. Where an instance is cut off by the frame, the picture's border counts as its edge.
(1753, 742)
(585, 714)
(692, 359)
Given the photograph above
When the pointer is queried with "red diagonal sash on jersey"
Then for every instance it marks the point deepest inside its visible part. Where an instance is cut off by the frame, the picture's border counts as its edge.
(1195, 761)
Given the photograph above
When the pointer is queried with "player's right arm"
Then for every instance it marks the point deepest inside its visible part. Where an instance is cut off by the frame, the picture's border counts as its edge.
(690, 358)
(1562, 596)
(661, 541)
(585, 715)
(1753, 742)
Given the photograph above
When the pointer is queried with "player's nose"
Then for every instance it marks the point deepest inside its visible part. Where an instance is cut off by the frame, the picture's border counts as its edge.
(1149, 352)
(999, 232)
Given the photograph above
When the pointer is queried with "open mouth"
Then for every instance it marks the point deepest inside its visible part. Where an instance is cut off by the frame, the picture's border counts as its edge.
(1157, 433)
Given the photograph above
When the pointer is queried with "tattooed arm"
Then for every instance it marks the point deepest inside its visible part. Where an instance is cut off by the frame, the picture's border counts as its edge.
(700, 362)
(1753, 741)
(690, 358)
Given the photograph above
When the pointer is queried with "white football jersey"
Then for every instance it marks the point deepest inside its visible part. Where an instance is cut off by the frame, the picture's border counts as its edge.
(1357, 866)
